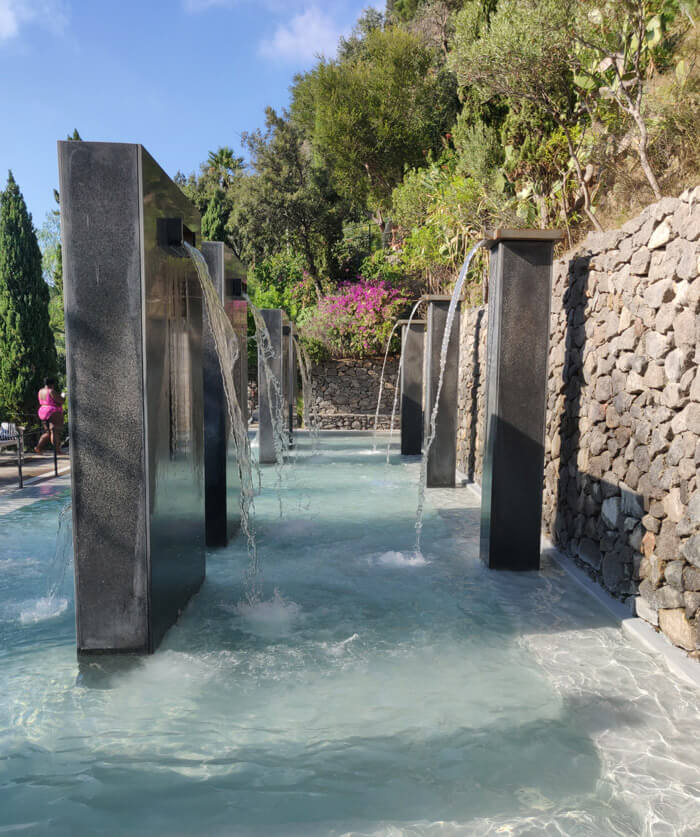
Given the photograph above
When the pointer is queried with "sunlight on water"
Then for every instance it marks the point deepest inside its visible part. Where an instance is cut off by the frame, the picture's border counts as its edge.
(369, 691)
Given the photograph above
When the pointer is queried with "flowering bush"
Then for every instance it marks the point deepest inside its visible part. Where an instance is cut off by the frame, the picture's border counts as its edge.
(355, 321)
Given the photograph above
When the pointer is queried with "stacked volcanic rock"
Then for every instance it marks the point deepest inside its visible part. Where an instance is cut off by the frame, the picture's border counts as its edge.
(623, 440)
(346, 391)
(622, 446)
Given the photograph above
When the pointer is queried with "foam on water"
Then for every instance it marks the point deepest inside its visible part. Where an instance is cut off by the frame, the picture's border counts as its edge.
(401, 559)
(48, 607)
(269, 618)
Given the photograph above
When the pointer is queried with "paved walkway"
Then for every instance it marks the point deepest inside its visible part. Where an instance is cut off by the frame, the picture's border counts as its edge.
(34, 467)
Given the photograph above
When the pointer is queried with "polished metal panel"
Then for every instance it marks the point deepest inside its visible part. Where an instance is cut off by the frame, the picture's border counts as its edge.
(133, 337)
(267, 393)
(237, 309)
(222, 476)
(292, 387)
(518, 347)
(442, 457)
(412, 342)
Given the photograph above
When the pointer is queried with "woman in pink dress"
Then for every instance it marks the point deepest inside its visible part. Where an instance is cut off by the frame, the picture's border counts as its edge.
(51, 415)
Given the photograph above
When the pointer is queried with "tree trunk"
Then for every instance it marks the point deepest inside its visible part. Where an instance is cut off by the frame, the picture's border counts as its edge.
(643, 158)
(583, 185)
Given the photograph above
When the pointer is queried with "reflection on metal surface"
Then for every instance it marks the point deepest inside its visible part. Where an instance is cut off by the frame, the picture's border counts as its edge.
(133, 334)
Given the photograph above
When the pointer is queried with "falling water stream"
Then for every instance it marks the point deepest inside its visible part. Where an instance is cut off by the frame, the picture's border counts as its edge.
(53, 604)
(397, 388)
(381, 386)
(310, 415)
(228, 351)
(454, 301)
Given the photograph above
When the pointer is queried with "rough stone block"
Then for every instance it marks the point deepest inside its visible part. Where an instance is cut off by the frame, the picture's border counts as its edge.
(661, 236)
(663, 597)
(673, 574)
(644, 611)
(691, 578)
(674, 623)
(691, 550)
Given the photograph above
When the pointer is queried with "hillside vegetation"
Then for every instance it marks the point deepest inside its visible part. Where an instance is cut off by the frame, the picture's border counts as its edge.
(439, 118)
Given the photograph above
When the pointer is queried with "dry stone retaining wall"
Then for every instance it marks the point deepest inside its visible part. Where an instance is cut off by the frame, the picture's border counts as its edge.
(622, 447)
(346, 391)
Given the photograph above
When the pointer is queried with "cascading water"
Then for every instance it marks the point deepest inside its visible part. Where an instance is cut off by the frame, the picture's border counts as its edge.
(456, 294)
(228, 350)
(53, 604)
(266, 353)
(381, 387)
(398, 381)
(310, 415)
(280, 437)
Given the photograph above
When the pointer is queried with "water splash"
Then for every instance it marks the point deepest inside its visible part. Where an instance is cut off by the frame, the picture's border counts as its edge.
(398, 381)
(456, 294)
(53, 605)
(228, 351)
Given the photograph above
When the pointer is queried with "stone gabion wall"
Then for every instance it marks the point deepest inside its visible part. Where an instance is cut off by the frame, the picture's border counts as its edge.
(346, 392)
(623, 425)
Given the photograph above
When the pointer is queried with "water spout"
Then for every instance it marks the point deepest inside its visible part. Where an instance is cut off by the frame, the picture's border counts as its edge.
(381, 386)
(398, 381)
(456, 294)
(227, 350)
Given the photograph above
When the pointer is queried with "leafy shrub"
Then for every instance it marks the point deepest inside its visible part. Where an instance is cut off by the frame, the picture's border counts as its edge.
(355, 321)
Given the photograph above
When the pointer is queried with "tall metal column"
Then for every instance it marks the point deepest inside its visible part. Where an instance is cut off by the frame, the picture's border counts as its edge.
(518, 348)
(268, 407)
(221, 477)
(133, 338)
(412, 342)
(291, 382)
(442, 457)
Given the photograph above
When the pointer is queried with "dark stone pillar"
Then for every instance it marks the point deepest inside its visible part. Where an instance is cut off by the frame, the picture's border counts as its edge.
(221, 474)
(518, 348)
(266, 410)
(134, 346)
(291, 384)
(412, 342)
(442, 457)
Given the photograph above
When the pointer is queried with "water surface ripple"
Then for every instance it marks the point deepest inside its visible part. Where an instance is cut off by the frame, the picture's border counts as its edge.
(368, 693)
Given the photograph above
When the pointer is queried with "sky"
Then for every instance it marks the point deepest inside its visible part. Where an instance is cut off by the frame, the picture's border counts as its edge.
(182, 77)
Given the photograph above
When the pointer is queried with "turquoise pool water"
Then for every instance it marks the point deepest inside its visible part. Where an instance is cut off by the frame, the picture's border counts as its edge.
(370, 693)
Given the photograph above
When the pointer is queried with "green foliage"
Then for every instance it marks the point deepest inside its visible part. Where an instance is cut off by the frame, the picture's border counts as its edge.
(384, 266)
(215, 193)
(288, 201)
(360, 239)
(27, 350)
(215, 218)
(372, 115)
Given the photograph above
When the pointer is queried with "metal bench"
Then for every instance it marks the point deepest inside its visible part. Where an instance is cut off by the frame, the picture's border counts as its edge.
(12, 436)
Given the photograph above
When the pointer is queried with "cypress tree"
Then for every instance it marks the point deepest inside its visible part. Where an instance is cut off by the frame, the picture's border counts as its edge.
(27, 350)
(214, 219)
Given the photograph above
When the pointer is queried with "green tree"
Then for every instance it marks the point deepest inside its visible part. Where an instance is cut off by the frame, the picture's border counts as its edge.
(522, 53)
(613, 48)
(27, 350)
(215, 192)
(371, 116)
(288, 202)
(215, 218)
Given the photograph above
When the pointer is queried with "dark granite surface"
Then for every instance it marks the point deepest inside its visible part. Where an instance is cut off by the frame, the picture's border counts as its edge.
(442, 457)
(267, 395)
(133, 336)
(413, 342)
(518, 342)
